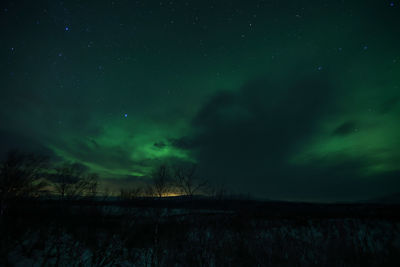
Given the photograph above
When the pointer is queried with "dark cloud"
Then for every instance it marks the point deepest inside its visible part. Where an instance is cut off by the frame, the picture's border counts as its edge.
(388, 105)
(336, 177)
(114, 185)
(246, 138)
(159, 145)
(11, 141)
(182, 143)
(111, 157)
(345, 128)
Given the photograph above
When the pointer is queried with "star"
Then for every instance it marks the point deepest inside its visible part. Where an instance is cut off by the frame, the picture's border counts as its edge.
(126, 115)
(391, 4)
(66, 28)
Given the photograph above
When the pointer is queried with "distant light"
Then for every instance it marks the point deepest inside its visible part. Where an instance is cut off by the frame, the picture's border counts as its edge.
(67, 28)
(320, 68)
(126, 115)
(391, 4)
(365, 47)
(60, 54)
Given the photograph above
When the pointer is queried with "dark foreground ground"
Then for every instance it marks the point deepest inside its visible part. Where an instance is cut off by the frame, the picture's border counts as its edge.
(198, 232)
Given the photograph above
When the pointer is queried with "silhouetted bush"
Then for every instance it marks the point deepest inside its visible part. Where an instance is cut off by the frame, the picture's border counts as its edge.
(71, 181)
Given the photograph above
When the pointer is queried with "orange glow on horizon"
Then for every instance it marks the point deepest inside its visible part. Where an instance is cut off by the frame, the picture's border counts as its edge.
(170, 194)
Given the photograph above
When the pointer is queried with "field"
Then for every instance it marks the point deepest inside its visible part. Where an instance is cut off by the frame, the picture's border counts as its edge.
(198, 232)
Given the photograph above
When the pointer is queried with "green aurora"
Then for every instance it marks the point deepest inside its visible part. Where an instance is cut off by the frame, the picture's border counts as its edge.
(281, 99)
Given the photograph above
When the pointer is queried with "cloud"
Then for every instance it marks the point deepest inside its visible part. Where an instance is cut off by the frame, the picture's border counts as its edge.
(246, 138)
(389, 105)
(159, 145)
(337, 177)
(89, 151)
(345, 128)
(10, 141)
(249, 134)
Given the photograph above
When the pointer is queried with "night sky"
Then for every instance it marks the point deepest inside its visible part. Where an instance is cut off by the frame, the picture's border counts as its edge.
(294, 100)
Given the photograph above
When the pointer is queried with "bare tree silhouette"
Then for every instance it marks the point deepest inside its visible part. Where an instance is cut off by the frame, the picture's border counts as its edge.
(92, 183)
(219, 192)
(187, 181)
(161, 182)
(72, 181)
(131, 193)
(20, 174)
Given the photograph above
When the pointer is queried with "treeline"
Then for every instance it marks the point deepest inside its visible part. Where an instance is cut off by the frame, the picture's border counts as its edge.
(26, 175)
(180, 179)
